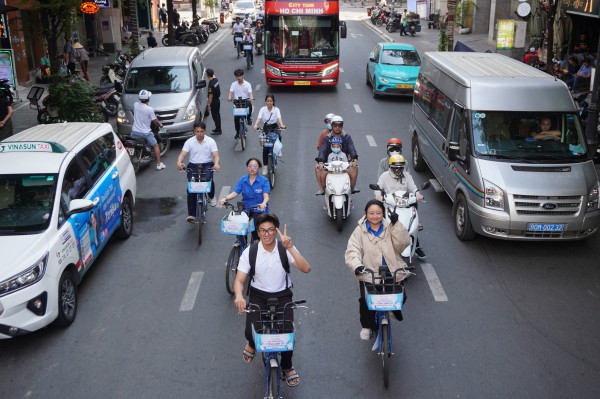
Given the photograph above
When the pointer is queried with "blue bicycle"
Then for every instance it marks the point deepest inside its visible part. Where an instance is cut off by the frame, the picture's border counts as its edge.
(269, 140)
(241, 110)
(384, 296)
(200, 184)
(273, 334)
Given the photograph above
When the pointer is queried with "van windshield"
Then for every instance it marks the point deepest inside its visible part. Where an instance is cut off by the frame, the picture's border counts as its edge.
(162, 79)
(26, 203)
(548, 136)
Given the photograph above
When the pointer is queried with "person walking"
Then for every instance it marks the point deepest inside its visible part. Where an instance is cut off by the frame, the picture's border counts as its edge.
(162, 18)
(214, 100)
(69, 54)
(6, 111)
(83, 57)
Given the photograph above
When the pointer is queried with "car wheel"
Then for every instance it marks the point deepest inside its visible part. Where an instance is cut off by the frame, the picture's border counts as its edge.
(67, 299)
(373, 89)
(368, 80)
(126, 227)
(418, 161)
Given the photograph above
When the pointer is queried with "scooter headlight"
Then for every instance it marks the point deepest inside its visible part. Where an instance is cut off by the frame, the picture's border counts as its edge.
(121, 115)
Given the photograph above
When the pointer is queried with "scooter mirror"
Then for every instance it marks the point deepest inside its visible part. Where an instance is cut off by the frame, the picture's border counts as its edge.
(426, 185)
(374, 187)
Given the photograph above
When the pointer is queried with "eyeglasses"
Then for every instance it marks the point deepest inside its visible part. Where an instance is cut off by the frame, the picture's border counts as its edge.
(270, 231)
(252, 166)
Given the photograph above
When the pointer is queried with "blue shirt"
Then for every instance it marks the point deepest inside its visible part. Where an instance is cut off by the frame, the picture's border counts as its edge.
(252, 195)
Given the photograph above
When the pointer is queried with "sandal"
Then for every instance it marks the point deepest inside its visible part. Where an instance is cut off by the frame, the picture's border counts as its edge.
(291, 376)
(247, 355)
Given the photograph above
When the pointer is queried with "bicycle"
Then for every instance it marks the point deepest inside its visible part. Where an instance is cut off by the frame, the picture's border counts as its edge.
(237, 38)
(384, 296)
(272, 335)
(241, 110)
(247, 47)
(237, 223)
(268, 140)
(200, 184)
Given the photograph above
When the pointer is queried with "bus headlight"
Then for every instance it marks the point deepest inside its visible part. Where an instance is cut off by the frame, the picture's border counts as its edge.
(493, 196)
(592, 198)
(330, 70)
(190, 112)
(273, 70)
(25, 278)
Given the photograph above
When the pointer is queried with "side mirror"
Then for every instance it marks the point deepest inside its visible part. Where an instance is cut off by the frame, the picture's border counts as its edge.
(201, 84)
(426, 185)
(80, 206)
(343, 29)
(372, 58)
(374, 187)
(453, 149)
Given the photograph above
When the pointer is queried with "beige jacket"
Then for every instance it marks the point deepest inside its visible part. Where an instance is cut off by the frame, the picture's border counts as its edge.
(364, 249)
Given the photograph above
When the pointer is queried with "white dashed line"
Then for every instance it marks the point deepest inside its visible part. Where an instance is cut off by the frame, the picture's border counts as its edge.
(257, 87)
(189, 298)
(262, 71)
(434, 283)
(371, 140)
(348, 86)
(357, 109)
(342, 70)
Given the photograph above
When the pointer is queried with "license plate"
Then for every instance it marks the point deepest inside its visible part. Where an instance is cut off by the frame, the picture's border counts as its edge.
(545, 227)
(404, 86)
(301, 83)
(131, 151)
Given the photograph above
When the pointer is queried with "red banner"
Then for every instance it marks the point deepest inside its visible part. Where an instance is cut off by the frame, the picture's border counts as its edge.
(302, 7)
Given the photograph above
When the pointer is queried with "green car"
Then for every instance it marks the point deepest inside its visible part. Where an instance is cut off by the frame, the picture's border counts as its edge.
(393, 69)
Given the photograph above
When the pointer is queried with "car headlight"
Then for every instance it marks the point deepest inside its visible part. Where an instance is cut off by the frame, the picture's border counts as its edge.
(592, 199)
(190, 112)
(273, 70)
(493, 196)
(383, 80)
(330, 70)
(25, 278)
(121, 115)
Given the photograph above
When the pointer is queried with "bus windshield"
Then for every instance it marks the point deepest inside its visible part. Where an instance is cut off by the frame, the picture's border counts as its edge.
(301, 36)
(552, 136)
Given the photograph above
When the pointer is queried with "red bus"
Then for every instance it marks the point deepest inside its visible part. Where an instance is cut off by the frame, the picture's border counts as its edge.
(302, 43)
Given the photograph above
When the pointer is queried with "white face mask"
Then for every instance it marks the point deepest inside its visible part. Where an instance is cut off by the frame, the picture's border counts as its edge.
(328, 126)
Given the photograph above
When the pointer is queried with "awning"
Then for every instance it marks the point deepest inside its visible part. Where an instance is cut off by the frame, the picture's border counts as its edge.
(4, 9)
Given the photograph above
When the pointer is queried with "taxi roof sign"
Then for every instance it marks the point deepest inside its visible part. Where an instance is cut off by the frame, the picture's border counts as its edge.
(31, 146)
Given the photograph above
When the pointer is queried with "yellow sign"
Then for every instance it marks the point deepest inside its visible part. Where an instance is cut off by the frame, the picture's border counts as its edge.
(89, 7)
(506, 34)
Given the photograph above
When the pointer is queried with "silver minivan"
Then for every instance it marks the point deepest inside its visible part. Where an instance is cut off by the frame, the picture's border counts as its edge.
(176, 78)
(504, 141)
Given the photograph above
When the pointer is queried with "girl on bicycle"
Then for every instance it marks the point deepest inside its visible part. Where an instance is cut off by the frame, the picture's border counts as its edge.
(374, 243)
(270, 117)
(255, 191)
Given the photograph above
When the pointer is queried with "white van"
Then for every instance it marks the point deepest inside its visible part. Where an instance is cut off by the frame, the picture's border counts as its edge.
(64, 190)
(504, 141)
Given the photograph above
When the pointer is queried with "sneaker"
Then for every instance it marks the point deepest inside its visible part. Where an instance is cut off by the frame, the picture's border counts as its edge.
(160, 166)
(420, 253)
(237, 136)
(320, 192)
(249, 120)
(365, 334)
(190, 219)
(213, 201)
(420, 227)
(265, 170)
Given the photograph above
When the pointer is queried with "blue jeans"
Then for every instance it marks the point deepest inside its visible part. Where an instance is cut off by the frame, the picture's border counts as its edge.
(206, 173)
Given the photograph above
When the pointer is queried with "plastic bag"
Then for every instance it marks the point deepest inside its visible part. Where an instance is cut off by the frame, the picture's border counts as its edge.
(277, 148)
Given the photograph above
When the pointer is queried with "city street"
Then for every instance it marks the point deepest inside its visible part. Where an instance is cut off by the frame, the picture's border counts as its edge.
(483, 319)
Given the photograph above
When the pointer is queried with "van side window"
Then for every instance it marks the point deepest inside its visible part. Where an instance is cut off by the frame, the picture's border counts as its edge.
(424, 94)
(98, 156)
(442, 109)
(458, 132)
(74, 185)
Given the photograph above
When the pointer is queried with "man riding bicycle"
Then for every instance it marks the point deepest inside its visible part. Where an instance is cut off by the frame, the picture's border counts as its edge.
(204, 159)
(237, 30)
(241, 89)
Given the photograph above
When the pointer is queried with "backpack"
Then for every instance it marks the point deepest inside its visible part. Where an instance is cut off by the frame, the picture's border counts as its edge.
(282, 255)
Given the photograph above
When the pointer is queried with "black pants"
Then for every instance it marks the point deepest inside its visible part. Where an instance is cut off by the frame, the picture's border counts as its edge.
(192, 198)
(215, 110)
(403, 31)
(236, 119)
(260, 298)
(368, 318)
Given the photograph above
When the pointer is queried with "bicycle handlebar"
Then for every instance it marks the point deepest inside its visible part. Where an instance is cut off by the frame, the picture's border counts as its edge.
(253, 308)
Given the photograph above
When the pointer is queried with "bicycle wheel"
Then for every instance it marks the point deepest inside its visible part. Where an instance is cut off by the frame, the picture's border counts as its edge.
(231, 269)
(243, 132)
(273, 383)
(385, 353)
(248, 61)
(271, 170)
(204, 207)
(199, 212)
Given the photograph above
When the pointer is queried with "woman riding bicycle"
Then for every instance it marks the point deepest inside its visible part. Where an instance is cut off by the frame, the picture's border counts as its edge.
(255, 191)
(270, 117)
(375, 243)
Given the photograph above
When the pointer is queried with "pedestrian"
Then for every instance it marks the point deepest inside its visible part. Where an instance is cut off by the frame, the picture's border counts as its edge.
(6, 111)
(162, 18)
(69, 54)
(404, 23)
(214, 100)
(176, 18)
(83, 57)
(151, 40)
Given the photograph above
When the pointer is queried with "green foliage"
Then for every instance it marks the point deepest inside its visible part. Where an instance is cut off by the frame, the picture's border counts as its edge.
(75, 102)
(443, 43)
(462, 12)
(211, 3)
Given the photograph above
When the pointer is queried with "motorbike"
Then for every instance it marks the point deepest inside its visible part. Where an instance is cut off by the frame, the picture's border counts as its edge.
(414, 27)
(212, 24)
(258, 33)
(115, 72)
(337, 192)
(402, 204)
(109, 98)
(393, 22)
(183, 36)
(140, 153)
(381, 19)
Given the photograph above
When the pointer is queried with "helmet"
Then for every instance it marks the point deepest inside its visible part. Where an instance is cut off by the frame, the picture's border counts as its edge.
(336, 140)
(144, 95)
(338, 120)
(397, 163)
(258, 23)
(394, 145)
(328, 117)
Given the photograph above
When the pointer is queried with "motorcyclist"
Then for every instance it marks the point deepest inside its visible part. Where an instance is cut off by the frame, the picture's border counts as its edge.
(143, 119)
(394, 146)
(258, 34)
(247, 21)
(397, 178)
(249, 40)
(337, 124)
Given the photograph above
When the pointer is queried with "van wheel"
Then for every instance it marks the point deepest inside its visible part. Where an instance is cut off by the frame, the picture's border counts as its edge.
(462, 223)
(419, 164)
(67, 299)
(126, 227)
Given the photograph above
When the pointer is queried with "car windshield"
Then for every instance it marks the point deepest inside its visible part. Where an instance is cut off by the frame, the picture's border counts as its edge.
(26, 203)
(552, 136)
(161, 79)
(400, 57)
(244, 4)
(301, 36)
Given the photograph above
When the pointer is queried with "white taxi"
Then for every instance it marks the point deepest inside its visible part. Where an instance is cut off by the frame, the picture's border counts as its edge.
(64, 190)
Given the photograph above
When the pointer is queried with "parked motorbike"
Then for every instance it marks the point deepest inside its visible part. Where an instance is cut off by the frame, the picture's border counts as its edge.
(393, 23)
(140, 153)
(183, 37)
(109, 98)
(337, 192)
(402, 204)
(414, 27)
(382, 19)
(115, 72)
(212, 23)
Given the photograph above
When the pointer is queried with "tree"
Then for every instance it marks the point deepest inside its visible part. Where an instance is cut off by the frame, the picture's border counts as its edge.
(549, 7)
(450, 23)
(134, 46)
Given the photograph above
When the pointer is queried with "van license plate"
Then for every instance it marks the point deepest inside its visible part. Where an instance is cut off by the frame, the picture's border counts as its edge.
(404, 86)
(131, 151)
(301, 83)
(545, 227)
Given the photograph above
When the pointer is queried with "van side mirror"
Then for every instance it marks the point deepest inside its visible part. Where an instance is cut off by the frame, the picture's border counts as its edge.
(453, 152)
(343, 29)
(80, 206)
(201, 84)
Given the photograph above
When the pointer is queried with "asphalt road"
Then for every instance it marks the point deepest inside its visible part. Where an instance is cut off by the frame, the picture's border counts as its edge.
(484, 319)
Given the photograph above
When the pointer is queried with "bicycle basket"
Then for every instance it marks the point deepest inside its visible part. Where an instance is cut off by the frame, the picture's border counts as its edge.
(270, 139)
(241, 111)
(237, 224)
(384, 300)
(268, 341)
(199, 187)
(247, 47)
(238, 39)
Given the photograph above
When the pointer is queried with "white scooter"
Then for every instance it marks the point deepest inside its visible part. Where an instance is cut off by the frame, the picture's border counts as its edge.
(400, 202)
(337, 192)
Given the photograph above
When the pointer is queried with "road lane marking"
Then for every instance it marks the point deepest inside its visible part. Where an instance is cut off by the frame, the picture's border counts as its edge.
(371, 140)
(257, 87)
(189, 298)
(357, 109)
(262, 71)
(342, 70)
(223, 193)
(434, 283)
(348, 86)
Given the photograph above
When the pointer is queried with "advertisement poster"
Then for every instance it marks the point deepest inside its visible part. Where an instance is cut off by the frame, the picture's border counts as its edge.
(506, 34)
(6, 66)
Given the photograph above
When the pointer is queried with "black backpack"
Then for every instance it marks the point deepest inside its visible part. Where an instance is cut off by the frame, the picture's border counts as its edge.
(282, 255)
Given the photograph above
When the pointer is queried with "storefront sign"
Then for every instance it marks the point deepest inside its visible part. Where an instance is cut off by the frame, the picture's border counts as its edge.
(590, 8)
(89, 7)
(506, 34)
(7, 68)
(103, 3)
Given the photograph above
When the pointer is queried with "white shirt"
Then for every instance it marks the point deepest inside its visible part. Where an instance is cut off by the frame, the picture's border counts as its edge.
(241, 90)
(238, 27)
(269, 275)
(200, 152)
(269, 117)
(248, 22)
(143, 115)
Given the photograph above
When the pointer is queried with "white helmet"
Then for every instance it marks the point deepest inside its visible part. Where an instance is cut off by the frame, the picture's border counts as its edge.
(329, 116)
(144, 94)
(337, 119)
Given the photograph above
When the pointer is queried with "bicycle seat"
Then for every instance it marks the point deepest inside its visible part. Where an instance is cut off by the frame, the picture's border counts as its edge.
(272, 301)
